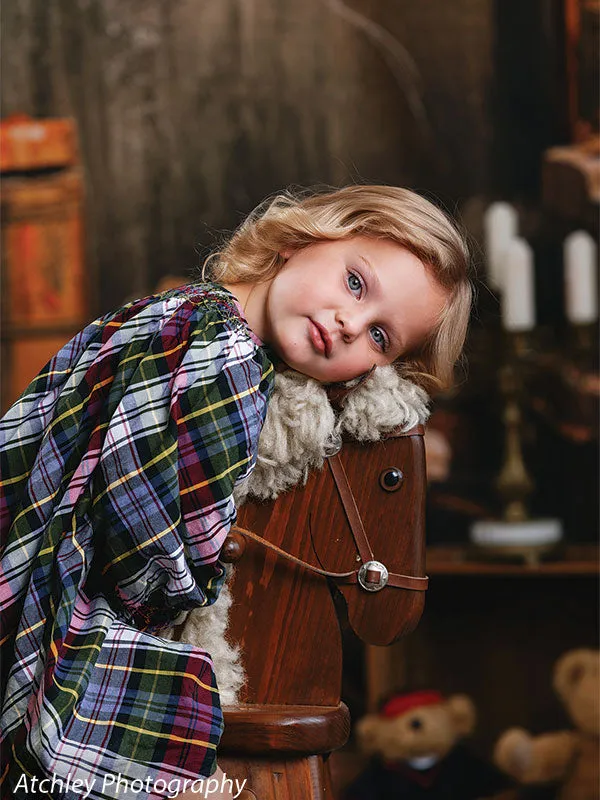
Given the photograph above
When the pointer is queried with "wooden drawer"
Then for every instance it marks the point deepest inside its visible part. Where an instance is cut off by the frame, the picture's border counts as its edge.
(43, 273)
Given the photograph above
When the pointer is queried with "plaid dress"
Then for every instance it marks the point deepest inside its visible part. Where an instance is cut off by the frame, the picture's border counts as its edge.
(118, 466)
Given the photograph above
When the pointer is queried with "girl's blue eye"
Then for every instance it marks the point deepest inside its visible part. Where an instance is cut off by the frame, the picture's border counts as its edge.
(354, 282)
(378, 337)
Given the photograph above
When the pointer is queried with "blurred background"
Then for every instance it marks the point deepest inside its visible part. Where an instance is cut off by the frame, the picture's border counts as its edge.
(135, 134)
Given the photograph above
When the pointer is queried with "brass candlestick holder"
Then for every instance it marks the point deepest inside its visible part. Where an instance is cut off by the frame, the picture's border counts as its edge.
(516, 535)
(514, 484)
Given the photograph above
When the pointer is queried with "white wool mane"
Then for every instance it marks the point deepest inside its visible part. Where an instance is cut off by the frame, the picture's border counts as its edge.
(301, 429)
(207, 628)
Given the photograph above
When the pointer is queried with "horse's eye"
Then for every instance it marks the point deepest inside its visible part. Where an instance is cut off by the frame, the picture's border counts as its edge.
(391, 479)
(416, 724)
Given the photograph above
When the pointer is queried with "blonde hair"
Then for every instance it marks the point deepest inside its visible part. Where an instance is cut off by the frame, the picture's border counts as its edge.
(293, 221)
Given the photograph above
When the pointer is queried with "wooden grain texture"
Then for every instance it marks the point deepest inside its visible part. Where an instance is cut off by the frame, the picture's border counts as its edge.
(284, 617)
(272, 779)
(569, 561)
(295, 730)
(44, 290)
(287, 624)
(190, 113)
(27, 144)
(395, 525)
(42, 239)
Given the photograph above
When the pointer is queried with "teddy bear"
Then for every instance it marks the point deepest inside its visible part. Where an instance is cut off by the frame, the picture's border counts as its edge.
(416, 751)
(566, 758)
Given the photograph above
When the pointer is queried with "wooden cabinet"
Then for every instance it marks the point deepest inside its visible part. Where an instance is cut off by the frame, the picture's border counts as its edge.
(44, 297)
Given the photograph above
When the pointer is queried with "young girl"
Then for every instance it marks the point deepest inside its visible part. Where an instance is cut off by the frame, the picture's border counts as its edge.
(120, 459)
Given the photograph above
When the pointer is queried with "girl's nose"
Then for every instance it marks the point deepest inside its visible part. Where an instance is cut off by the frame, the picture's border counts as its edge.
(349, 325)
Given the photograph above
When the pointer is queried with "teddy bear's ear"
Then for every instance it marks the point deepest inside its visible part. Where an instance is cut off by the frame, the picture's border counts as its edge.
(571, 667)
(463, 713)
(368, 733)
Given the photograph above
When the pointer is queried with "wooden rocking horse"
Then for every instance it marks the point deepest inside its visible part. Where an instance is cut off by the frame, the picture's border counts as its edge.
(360, 523)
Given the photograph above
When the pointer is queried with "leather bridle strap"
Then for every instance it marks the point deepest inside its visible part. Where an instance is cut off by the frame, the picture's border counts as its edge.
(341, 576)
(358, 531)
(352, 513)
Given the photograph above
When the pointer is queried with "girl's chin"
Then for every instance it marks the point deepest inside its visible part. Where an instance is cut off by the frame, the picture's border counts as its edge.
(309, 364)
(323, 376)
(307, 369)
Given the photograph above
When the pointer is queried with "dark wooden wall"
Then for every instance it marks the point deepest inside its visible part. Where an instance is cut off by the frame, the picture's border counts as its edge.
(191, 111)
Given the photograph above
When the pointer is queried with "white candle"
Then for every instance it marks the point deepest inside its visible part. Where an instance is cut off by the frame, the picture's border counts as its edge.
(500, 226)
(518, 298)
(581, 278)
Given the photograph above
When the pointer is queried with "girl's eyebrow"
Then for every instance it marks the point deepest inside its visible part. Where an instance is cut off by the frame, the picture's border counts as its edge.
(372, 274)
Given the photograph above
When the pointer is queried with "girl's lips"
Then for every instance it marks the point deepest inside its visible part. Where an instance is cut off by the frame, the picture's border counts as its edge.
(320, 338)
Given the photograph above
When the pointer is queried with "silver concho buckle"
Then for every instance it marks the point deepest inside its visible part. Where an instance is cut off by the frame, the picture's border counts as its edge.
(373, 576)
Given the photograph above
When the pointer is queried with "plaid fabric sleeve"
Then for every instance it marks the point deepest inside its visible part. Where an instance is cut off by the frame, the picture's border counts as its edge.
(183, 433)
(118, 466)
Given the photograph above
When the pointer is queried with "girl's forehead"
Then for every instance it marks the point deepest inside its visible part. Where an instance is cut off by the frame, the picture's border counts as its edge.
(379, 246)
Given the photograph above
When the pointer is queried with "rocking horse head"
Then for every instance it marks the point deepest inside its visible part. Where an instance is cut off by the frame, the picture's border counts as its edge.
(359, 519)
(334, 506)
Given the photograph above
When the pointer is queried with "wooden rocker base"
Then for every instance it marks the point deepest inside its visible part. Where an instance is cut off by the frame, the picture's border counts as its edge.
(281, 750)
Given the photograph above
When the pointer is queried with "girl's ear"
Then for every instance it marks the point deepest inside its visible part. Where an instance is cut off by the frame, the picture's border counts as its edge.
(285, 254)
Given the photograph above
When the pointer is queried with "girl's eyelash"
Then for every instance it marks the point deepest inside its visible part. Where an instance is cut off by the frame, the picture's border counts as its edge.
(385, 345)
(359, 278)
